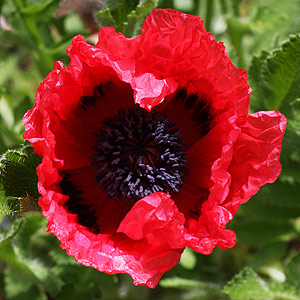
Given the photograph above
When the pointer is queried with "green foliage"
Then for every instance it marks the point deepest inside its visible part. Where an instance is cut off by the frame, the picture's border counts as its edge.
(18, 179)
(282, 291)
(249, 285)
(292, 272)
(194, 289)
(38, 268)
(279, 201)
(237, 30)
(18, 287)
(137, 16)
(40, 11)
(264, 230)
(246, 285)
(18, 172)
(105, 18)
(271, 21)
(30, 41)
(125, 16)
(275, 78)
(11, 233)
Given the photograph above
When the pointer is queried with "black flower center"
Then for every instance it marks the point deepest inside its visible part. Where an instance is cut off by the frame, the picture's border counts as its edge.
(139, 153)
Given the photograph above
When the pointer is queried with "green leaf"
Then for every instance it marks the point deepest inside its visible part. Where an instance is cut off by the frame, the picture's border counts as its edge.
(290, 156)
(283, 291)
(105, 18)
(275, 81)
(8, 205)
(92, 283)
(268, 254)
(32, 268)
(126, 4)
(11, 233)
(18, 172)
(25, 255)
(113, 4)
(282, 75)
(278, 201)
(246, 285)
(260, 231)
(119, 10)
(46, 279)
(60, 257)
(272, 21)
(277, 77)
(18, 287)
(137, 16)
(292, 272)
(31, 225)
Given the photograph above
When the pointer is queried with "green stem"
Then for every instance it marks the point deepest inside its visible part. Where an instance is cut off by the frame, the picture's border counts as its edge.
(235, 7)
(28, 26)
(196, 9)
(209, 14)
(1, 4)
(236, 32)
(224, 7)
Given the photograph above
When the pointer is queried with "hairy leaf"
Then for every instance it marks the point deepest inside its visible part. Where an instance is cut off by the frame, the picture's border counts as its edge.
(105, 18)
(18, 172)
(246, 285)
(292, 272)
(12, 231)
(18, 287)
(137, 16)
(278, 201)
(275, 78)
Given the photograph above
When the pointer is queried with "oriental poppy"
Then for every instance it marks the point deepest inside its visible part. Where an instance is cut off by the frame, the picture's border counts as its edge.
(148, 146)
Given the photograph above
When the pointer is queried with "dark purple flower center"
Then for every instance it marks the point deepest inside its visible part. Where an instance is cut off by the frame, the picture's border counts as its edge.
(138, 153)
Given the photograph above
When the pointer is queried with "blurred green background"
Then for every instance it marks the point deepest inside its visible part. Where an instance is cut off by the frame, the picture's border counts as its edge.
(261, 37)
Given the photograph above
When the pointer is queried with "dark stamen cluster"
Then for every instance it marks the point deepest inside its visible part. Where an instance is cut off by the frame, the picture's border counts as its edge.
(138, 153)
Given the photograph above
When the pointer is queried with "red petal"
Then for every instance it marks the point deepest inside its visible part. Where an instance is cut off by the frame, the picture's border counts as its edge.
(256, 154)
(157, 219)
(144, 248)
(251, 161)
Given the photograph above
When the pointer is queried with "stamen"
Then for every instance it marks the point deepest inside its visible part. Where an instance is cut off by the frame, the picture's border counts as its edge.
(138, 153)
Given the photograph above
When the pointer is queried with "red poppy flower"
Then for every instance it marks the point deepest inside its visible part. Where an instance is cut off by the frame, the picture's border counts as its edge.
(148, 146)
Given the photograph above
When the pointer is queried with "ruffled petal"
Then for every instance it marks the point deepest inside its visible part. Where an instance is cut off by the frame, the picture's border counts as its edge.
(157, 219)
(248, 160)
(143, 247)
(256, 155)
(176, 46)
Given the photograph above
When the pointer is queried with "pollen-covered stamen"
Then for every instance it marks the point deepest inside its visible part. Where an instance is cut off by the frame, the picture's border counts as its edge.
(138, 153)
